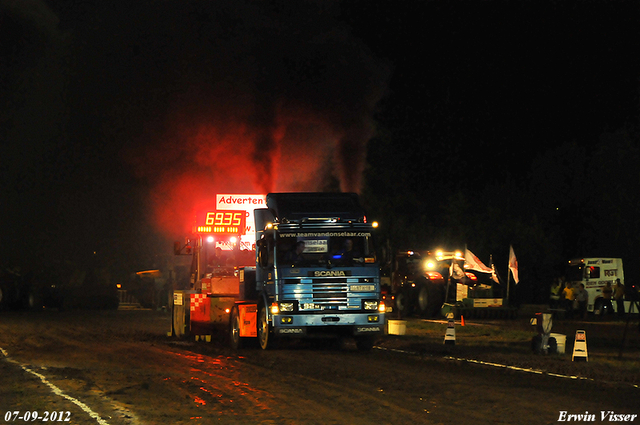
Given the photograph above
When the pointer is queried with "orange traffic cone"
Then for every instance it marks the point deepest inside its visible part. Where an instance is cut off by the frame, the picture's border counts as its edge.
(461, 320)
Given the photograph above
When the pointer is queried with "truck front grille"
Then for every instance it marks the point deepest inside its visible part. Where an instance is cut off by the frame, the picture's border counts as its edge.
(326, 293)
(330, 293)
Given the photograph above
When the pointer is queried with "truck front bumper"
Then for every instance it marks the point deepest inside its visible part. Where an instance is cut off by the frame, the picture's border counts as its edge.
(346, 324)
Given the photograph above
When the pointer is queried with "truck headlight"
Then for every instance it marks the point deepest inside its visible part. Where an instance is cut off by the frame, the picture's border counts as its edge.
(286, 306)
(370, 305)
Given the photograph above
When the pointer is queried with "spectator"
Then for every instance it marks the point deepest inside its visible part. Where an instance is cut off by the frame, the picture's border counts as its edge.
(554, 297)
(618, 295)
(606, 306)
(582, 298)
(569, 297)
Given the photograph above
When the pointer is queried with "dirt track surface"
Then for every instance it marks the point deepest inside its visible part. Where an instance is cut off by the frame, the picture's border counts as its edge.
(118, 367)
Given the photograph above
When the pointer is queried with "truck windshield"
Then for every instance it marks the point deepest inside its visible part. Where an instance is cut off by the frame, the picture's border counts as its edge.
(313, 249)
(221, 262)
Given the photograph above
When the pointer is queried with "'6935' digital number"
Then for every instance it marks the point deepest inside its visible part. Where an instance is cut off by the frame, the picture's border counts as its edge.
(224, 218)
(33, 416)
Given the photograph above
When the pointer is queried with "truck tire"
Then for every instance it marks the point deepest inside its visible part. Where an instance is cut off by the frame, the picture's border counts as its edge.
(33, 300)
(404, 303)
(423, 299)
(429, 299)
(265, 334)
(234, 328)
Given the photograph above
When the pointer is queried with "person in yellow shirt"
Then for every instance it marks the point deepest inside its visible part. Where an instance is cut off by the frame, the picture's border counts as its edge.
(569, 295)
(555, 292)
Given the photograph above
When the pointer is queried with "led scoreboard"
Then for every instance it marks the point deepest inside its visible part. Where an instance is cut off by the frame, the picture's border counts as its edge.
(221, 222)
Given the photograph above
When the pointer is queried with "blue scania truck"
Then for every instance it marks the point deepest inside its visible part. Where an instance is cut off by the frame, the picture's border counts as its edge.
(316, 273)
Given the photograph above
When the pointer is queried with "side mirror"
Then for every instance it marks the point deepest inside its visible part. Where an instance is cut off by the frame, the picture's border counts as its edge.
(263, 255)
(178, 247)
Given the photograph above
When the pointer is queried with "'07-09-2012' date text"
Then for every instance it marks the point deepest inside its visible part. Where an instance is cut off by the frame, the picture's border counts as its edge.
(35, 416)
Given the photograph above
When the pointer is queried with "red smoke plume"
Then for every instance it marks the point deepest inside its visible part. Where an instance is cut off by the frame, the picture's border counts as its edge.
(281, 100)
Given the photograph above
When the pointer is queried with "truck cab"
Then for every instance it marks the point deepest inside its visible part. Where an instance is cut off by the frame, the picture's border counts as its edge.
(317, 271)
(594, 273)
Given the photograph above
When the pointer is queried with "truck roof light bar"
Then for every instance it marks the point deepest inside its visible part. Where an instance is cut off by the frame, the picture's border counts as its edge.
(321, 219)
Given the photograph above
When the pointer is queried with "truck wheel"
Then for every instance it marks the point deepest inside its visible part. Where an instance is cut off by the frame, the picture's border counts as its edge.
(403, 303)
(234, 337)
(365, 343)
(424, 300)
(34, 300)
(429, 300)
(265, 336)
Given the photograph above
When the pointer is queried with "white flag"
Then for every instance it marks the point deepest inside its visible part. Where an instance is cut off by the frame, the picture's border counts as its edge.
(471, 262)
(456, 272)
(513, 264)
(494, 274)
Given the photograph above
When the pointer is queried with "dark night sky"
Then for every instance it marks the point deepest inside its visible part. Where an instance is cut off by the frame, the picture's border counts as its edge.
(523, 75)
(115, 118)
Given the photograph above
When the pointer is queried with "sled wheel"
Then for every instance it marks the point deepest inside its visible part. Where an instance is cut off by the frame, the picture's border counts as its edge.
(234, 331)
